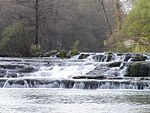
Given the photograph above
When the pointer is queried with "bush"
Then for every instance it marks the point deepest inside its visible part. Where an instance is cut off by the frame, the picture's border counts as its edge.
(16, 39)
(36, 51)
(74, 50)
(62, 54)
(137, 26)
(116, 43)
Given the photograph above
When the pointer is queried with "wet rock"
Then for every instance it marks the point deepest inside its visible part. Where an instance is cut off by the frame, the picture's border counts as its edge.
(139, 69)
(27, 69)
(139, 58)
(2, 82)
(83, 56)
(11, 75)
(120, 54)
(115, 64)
(110, 83)
(17, 82)
(109, 57)
(127, 57)
(9, 55)
(49, 53)
(2, 73)
(135, 57)
(9, 66)
(98, 58)
(90, 77)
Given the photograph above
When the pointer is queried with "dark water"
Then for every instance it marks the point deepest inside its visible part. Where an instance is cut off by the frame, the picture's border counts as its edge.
(73, 101)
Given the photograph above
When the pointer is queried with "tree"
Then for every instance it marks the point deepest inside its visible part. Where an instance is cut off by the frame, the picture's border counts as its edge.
(105, 16)
(61, 22)
(118, 41)
(34, 5)
(119, 12)
(36, 42)
(40, 11)
(137, 25)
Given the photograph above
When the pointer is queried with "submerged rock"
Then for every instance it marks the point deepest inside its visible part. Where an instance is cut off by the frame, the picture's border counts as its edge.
(138, 69)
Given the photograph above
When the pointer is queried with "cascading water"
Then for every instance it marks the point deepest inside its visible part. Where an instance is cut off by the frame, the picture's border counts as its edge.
(85, 71)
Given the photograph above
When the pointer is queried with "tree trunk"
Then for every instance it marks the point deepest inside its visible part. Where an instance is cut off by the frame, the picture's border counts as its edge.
(105, 17)
(118, 14)
(36, 23)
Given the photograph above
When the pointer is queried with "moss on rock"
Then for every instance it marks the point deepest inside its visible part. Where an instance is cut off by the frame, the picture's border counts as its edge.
(140, 69)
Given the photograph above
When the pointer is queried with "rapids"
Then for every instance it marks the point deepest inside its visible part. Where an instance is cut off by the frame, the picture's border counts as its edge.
(84, 71)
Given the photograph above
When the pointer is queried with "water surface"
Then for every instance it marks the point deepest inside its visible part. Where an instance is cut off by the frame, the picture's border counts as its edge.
(73, 101)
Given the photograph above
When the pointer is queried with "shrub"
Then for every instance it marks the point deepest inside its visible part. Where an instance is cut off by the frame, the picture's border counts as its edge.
(74, 50)
(35, 51)
(16, 39)
(62, 54)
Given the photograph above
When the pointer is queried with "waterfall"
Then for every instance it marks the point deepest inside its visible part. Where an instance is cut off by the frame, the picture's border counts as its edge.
(77, 84)
(84, 71)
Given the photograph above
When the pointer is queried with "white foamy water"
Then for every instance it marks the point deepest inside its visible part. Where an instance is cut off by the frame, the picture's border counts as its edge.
(65, 73)
(65, 70)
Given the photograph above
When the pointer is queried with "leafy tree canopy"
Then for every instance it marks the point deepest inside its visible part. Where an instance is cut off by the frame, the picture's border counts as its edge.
(138, 21)
(136, 30)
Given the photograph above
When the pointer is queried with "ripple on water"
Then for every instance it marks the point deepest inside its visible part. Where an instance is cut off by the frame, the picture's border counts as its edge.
(73, 101)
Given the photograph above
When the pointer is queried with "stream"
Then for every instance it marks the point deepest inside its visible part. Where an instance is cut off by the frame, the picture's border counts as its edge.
(86, 83)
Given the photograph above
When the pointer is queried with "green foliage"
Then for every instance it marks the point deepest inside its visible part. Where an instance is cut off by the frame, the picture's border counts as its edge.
(16, 39)
(135, 34)
(137, 26)
(116, 43)
(62, 54)
(35, 51)
(140, 48)
(74, 50)
(138, 20)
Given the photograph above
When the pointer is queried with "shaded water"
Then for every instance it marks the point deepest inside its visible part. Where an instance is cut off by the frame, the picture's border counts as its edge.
(73, 101)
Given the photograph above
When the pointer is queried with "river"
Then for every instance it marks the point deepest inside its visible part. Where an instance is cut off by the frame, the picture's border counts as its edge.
(73, 101)
(76, 85)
